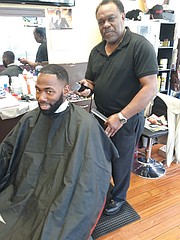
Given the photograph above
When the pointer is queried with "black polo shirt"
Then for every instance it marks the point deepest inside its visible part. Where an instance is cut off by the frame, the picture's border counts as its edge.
(42, 54)
(116, 77)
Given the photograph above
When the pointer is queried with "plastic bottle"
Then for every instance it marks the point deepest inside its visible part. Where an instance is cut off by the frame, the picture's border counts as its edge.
(6, 87)
(16, 85)
(29, 80)
(2, 92)
(24, 73)
(37, 69)
(23, 84)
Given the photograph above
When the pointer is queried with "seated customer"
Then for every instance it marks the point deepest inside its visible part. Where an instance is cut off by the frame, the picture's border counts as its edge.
(55, 167)
(11, 69)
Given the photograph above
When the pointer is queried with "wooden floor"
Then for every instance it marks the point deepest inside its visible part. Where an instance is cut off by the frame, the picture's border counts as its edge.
(157, 201)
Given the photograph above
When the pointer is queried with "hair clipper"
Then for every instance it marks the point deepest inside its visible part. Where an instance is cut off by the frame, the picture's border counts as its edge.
(78, 87)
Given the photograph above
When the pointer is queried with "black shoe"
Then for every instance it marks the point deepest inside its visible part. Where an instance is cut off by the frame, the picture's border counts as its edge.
(113, 207)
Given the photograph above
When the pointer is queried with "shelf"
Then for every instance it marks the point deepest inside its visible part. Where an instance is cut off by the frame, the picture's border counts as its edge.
(164, 70)
(161, 35)
(161, 47)
(166, 33)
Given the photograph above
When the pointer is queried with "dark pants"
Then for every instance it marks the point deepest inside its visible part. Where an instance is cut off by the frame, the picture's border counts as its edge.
(125, 141)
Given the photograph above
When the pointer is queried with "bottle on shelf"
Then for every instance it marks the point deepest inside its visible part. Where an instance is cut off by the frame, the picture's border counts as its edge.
(163, 82)
(159, 83)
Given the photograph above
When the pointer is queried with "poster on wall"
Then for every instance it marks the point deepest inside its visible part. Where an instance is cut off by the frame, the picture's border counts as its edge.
(60, 18)
(33, 21)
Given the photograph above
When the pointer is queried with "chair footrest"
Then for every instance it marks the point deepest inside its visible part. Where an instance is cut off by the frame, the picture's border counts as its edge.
(152, 169)
(149, 161)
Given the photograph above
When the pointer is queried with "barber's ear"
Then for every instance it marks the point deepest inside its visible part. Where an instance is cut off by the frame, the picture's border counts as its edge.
(123, 15)
(66, 90)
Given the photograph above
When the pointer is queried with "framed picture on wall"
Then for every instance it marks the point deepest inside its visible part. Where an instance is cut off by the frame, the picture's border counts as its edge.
(60, 18)
(57, 3)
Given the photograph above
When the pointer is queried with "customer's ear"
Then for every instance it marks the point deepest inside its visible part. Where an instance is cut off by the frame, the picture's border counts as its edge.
(66, 90)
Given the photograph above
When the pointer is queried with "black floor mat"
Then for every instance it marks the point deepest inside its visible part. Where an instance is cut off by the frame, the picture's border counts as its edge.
(108, 224)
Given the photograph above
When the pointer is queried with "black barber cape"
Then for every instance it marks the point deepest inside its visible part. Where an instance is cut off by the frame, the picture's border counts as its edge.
(54, 176)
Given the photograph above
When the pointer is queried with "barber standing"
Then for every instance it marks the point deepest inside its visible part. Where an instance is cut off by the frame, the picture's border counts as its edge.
(42, 54)
(122, 72)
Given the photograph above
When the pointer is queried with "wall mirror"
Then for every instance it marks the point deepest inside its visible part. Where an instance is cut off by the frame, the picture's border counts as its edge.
(17, 25)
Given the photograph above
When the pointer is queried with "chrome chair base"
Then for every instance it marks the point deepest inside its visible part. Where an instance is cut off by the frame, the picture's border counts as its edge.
(148, 169)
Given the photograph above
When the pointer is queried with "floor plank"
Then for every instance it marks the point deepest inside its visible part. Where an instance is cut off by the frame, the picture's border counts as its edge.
(157, 201)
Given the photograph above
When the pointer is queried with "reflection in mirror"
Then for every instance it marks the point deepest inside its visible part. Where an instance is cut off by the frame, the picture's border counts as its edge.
(18, 36)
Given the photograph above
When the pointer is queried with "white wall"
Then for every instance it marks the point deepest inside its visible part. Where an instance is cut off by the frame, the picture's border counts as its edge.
(130, 5)
(67, 45)
(174, 5)
(64, 46)
(74, 45)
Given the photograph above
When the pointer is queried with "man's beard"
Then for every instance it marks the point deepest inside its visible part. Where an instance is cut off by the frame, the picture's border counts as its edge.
(53, 107)
(5, 64)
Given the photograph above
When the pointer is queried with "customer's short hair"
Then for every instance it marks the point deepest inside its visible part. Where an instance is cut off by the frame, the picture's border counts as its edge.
(9, 55)
(57, 70)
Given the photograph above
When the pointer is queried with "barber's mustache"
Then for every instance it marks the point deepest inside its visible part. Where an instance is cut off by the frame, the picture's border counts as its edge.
(107, 31)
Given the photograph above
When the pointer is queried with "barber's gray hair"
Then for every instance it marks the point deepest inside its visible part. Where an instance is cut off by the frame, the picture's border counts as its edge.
(118, 3)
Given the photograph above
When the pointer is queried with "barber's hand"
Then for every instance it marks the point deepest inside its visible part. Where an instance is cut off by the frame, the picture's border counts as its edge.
(23, 60)
(86, 92)
(113, 125)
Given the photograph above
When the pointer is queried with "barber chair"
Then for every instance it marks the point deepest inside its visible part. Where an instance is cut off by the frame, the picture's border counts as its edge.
(144, 165)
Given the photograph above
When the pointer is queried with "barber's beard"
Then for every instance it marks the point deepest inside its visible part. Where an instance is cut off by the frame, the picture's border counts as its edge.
(53, 107)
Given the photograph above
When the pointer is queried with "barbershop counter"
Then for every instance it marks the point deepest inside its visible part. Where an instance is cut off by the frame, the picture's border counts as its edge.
(11, 110)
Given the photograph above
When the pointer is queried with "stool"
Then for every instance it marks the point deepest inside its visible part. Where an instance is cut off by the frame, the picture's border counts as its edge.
(146, 166)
